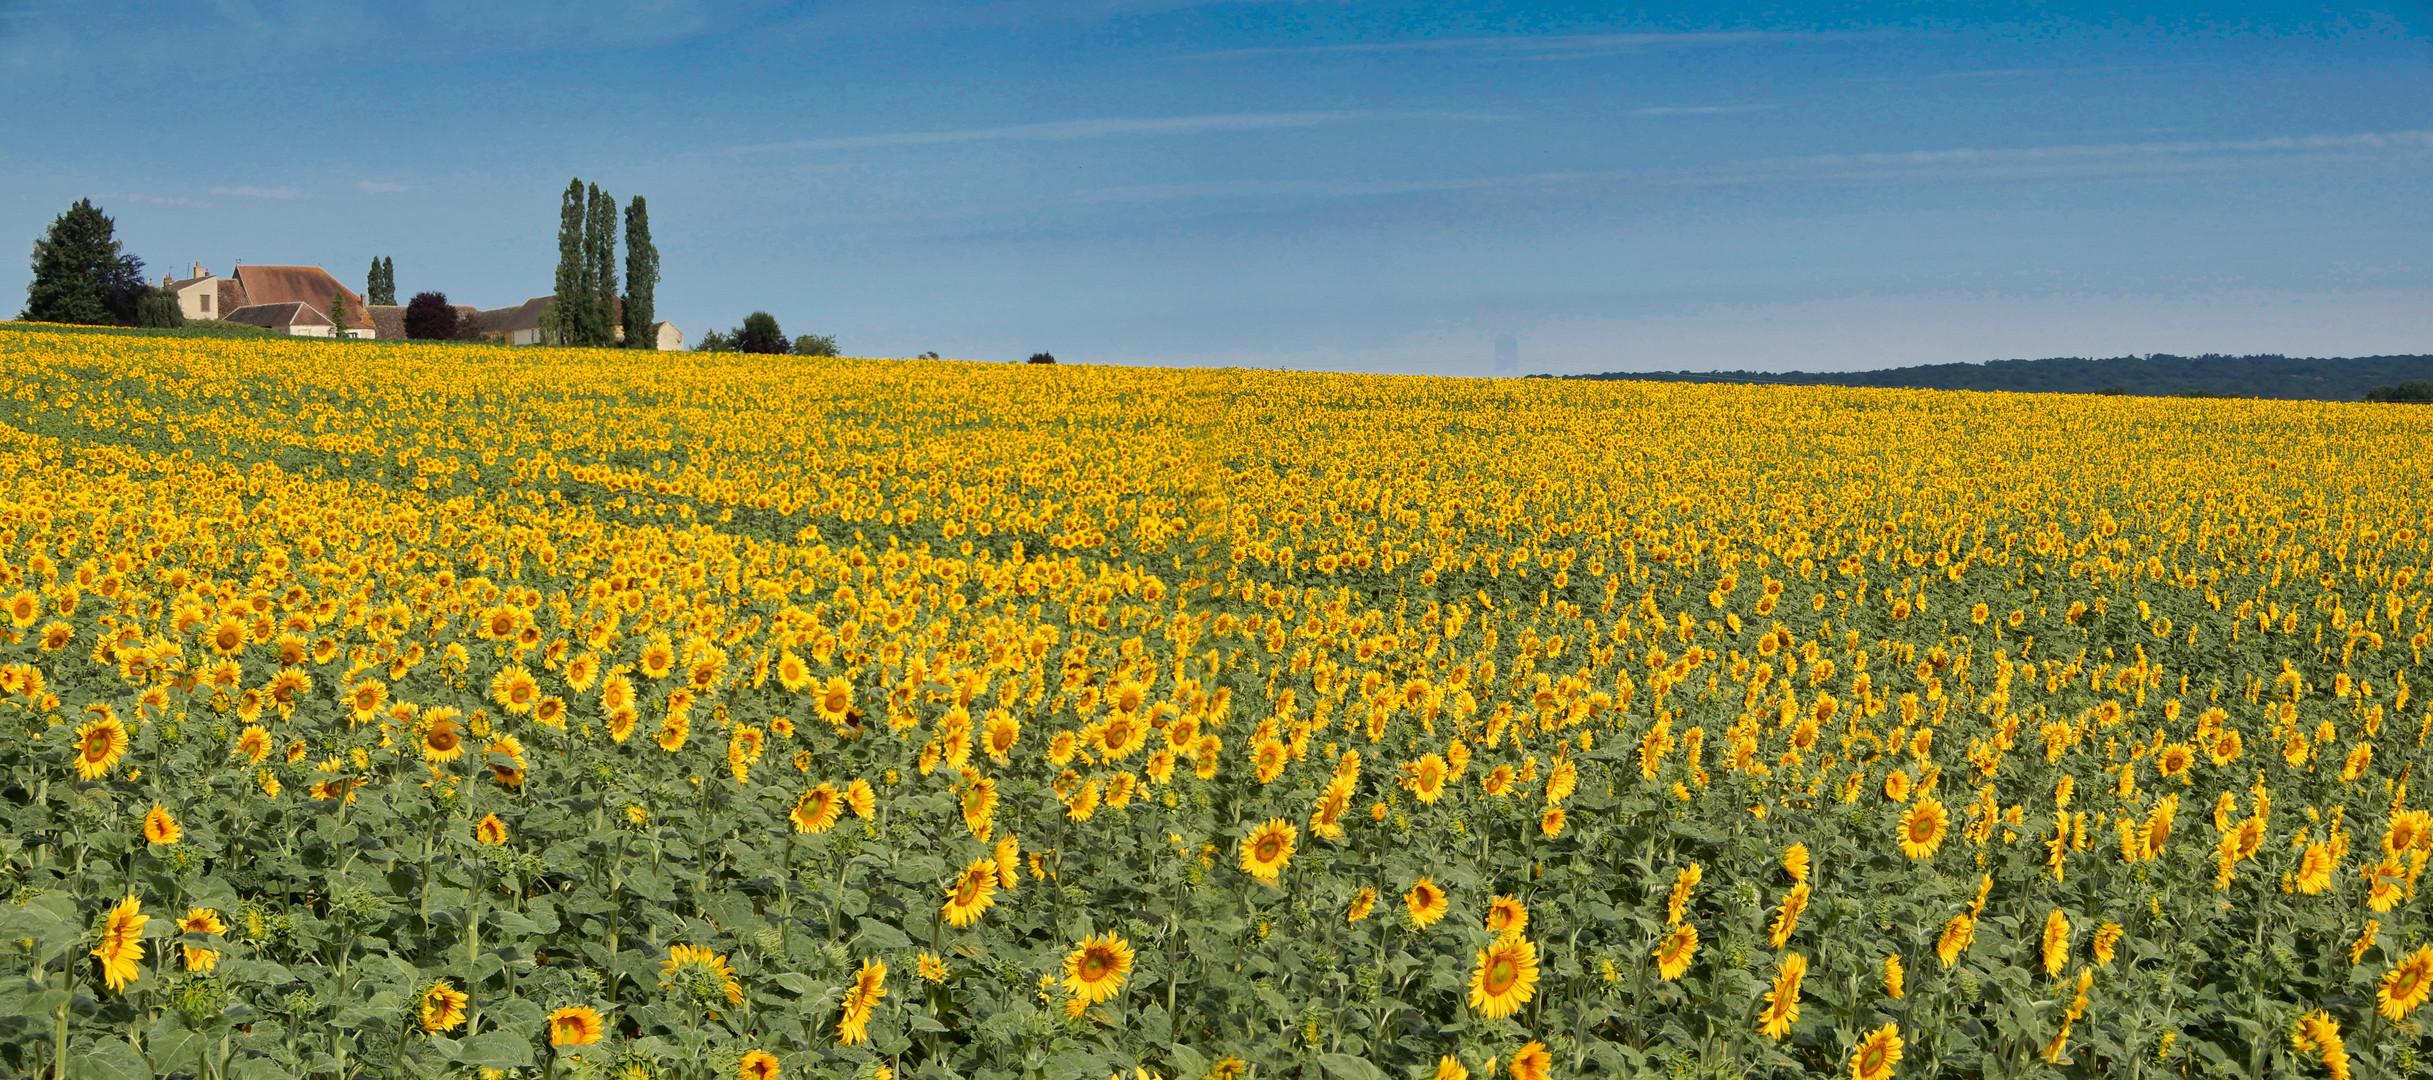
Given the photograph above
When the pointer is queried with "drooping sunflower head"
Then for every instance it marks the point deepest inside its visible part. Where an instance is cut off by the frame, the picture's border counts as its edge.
(160, 828)
(1426, 902)
(490, 830)
(1363, 902)
(972, 893)
(1506, 915)
(442, 1008)
(757, 1065)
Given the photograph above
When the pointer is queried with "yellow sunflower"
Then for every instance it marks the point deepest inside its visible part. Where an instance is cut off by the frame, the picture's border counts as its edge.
(490, 831)
(1096, 967)
(1506, 977)
(1782, 1002)
(1363, 902)
(574, 1025)
(2406, 985)
(99, 745)
(973, 892)
(1922, 827)
(1506, 915)
(443, 740)
(442, 1008)
(1684, 883)
(756, 1065)
(1532, 1062)
(860, 799)
(1426, 902)
(201, 921)
(817, 810)
(1267, 850)
(1674, 953)
(1877, 1053)
(869, 985)
(121, 947)
(253, 744)
(160, 828)
(1895, 977)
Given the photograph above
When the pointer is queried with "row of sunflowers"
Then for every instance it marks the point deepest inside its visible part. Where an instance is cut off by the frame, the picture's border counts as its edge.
(437, 710)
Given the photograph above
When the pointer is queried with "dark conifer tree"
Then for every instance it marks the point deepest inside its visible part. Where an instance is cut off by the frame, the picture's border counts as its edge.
(641, 279)
(80, 273)
(561, 323)
(600, 258)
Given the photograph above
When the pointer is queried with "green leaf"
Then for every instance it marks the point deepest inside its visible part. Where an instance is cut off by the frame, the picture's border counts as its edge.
(875, 934)
(1347, 1067)
(174, 1046)
(108, 1059)
(495, 1050)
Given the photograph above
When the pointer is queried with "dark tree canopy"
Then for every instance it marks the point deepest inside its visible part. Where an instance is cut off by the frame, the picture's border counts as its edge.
(599, 325)
(715, 341)
(759, 334)
(80, 273)
(641, 279)
(2413, 391)
(380, 286)
(1042, 358)
(815, 345)
(159, 309)
(429, 317)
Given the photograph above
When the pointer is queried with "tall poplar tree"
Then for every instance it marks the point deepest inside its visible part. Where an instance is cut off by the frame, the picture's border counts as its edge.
(380, 286)
(641, 279)
(560, 324)
(600, 258)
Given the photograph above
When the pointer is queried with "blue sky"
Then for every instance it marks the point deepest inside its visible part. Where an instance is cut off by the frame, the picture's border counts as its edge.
(1322, 185)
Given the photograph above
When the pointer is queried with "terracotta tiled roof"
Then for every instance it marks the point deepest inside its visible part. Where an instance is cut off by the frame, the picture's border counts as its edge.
(278, 316)
(388, 320)
(299, 284)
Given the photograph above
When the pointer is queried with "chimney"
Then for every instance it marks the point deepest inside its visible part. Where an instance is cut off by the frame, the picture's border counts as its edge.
(198, 270)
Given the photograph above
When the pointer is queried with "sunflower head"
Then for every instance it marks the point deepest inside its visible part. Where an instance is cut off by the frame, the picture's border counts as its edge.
(574, 1025)
(1096, 968)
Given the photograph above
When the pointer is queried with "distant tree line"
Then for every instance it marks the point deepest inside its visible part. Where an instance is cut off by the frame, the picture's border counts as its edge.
(583, 309)
(2154, 375)
(760, 334)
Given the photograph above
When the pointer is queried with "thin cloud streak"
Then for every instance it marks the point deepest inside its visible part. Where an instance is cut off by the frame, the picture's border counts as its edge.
(1542, 43)
(260, 192)
(1697, 110)
(2054, 162)
(1068, 130)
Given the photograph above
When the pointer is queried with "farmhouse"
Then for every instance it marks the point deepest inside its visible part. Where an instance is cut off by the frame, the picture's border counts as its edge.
(289, 299)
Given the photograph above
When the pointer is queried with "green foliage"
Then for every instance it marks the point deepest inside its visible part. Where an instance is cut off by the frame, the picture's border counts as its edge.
(759, 334)
(380, 285)
(159, 309)
(2413, 391)
(815, 345)
(715, 341)
(598, 324)
(80, 273)
(562, 323)
(641, 278)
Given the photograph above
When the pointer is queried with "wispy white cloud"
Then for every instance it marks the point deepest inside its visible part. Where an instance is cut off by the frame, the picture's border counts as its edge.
(1066, 130)
(1543, 44)
(2085, 161)
(376, 187)
(1697, 110)
(260, 192)
(156, 200)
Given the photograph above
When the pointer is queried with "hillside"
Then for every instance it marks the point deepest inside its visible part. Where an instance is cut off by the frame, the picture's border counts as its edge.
(2154, 375)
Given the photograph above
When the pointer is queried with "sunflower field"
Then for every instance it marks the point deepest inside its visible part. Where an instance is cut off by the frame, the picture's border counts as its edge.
(400, 710)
